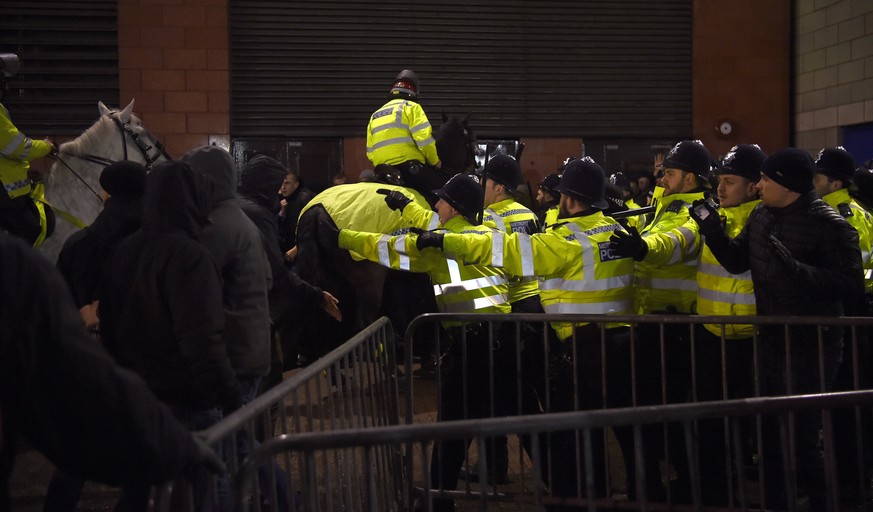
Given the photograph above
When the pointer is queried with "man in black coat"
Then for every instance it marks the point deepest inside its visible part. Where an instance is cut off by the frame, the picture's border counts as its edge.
(293, 196)
(805, 261)
(65, 395)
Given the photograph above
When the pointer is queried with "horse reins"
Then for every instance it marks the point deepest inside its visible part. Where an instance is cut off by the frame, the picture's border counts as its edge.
(125, 130)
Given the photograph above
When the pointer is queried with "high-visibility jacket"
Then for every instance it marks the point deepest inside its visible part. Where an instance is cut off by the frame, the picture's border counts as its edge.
(16, 152)
(400, 132)
(510, 216)
(718, 291)
(459, 287)
(358, 206)
(862, 221)
(578, 273)
(666, 279)
(551, 217)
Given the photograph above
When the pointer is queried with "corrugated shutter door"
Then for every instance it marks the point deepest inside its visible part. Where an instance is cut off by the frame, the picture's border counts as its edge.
(69, 62)
(519, 68)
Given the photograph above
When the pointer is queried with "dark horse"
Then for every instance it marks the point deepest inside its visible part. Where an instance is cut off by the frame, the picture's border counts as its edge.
(361, 285)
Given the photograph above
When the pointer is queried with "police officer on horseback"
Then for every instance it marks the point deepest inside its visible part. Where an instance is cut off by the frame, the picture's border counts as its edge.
(22, 213)
(399, 134)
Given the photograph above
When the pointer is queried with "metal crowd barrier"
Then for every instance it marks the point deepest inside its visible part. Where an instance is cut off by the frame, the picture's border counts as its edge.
(353, 387)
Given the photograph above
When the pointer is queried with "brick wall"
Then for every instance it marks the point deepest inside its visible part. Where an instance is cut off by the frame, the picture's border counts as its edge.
(173, 61)
(834, 69)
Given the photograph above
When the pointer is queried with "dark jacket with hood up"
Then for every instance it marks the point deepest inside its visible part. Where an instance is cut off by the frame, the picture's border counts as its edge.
(236, 246)
(161, 313)
(826, 249)
(84, 255)
(259, 184)
(63, 393)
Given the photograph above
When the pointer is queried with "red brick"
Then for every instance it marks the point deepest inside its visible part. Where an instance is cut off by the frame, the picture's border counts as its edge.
(209, 123)
(163, 80)
(129, 36)
(158, 2)
(164, 122)
(129, 79)
(180, 143)
(212, 4)
(185, 16)
(163, 37)
(146, 101)
(218, 59)
(216, 18)
(207, 81)
(180, 58)
(136, 15)
(219, 101)
(185, 102)
(140, 58)
(202, 37)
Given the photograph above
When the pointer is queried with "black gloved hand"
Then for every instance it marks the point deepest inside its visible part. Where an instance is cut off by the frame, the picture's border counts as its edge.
(206, 456)
(628, 244)
(784, 255)
(395, 199)
(705, 216)
(429, 239)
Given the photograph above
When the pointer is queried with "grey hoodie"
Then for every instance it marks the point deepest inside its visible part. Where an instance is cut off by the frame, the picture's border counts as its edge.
(238, 249)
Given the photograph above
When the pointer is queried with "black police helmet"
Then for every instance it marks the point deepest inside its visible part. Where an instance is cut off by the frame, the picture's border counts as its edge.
(406, 83)
(584, 180)
(836, 163)
(862, 187)
(504, 169)
(466, 195)
(550, 183)
(689, 156)
(743, 160)
(9, 65)
(620, 180)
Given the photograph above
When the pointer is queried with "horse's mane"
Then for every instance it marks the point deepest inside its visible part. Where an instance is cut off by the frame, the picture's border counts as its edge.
(90, 138)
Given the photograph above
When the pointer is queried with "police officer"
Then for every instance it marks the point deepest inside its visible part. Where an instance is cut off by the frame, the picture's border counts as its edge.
(666, 250)
(721, 293)
(21, 212)
(399, 134)
(578, 275)
(547, 199)
(459, 288)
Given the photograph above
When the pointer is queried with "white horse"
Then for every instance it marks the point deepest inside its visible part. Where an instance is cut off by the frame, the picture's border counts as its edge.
(72, 183)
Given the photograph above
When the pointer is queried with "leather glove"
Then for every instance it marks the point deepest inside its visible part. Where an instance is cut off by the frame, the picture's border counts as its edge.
(783, 255)
(705, 216)
(395, 199)
(628, 244)
(429, 239)
(206, 456)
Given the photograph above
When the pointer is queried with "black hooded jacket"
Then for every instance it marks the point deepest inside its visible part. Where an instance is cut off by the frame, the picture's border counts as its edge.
(85, 253)
(62, 392)
(259, 185)
(235, 244)
(161, 311)
(829, 272)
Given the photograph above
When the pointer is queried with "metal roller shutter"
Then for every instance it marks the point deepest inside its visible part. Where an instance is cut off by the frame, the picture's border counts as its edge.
(519, 68)
(69, 62)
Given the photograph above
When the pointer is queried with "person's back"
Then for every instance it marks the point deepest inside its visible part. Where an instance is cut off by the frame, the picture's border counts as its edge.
(235, 244)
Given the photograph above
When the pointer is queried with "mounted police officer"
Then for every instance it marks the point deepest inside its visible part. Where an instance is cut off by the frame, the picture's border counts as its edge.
(399, 134)
(21, 211)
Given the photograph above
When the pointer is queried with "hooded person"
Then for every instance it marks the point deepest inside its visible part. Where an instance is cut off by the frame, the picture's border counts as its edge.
(161, 312)
(235, 243)
(290, 297)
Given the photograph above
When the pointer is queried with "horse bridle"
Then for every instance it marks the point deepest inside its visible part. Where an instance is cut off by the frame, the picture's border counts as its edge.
(126, 130)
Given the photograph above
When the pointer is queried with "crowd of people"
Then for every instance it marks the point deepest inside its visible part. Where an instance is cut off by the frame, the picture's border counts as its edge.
(186, 281)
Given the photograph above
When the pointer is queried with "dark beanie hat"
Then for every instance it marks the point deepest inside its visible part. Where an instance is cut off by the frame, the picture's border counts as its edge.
(836, 163)
(792, 168)
(123, 179)
(743, 160)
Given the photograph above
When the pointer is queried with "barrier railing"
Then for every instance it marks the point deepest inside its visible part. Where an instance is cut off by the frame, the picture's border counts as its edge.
(353, 387)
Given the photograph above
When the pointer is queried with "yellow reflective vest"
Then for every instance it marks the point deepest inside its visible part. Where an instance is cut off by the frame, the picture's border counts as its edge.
(718, 291)
(666, 279)
(400, 132)
(862, 221)
(459, 287)
(578, 273)
(551, 217)
(358, 206)
(16, 152)
(510, 216)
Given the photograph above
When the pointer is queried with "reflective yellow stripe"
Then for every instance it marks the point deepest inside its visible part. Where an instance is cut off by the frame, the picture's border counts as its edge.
(474, 304)
(591, 308)
(527, 263)
(400, 247)
(586, 285)
(727, 297)
(13, 144)
(467, 286)
(667, 284)
(497, 249)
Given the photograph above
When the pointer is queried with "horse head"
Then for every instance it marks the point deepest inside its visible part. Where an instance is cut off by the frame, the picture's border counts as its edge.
(456, 145)
(72, 183)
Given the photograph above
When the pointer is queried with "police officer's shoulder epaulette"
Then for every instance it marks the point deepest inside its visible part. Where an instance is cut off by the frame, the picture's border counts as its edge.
(675, 207)
(845, 210)
(557, 224)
